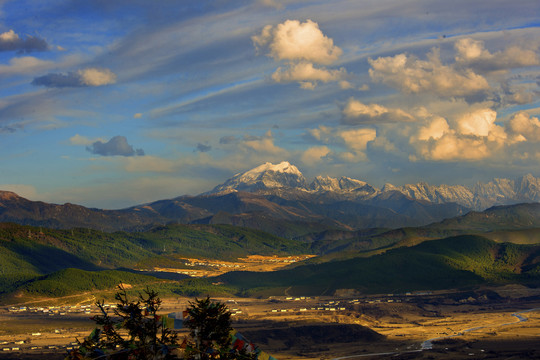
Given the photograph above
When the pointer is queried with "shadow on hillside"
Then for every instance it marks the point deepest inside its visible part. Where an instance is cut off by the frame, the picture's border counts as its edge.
(48, 259)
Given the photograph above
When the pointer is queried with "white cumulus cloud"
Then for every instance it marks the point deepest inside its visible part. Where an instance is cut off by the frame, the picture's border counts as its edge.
(525, 127)
(96, 77)
(307, 75)
(434, 130)
(297, 41)
(478, 123)
(315, 154)
(412, 75)
(470, 137)
(264, 144)
(451, 147)
(473, 53)
(356, 112)
(301, 45)
(356, 141)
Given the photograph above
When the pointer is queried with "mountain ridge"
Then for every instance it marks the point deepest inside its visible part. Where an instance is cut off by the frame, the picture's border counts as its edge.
(279, 199)
(479, 197)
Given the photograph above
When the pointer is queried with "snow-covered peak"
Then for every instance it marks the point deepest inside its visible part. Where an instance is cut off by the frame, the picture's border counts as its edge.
(282, 167)
(285, 178)
(347, 183)
(324, 183)
(263, 177)
(388, 187)
(327, 183)
(344, 186)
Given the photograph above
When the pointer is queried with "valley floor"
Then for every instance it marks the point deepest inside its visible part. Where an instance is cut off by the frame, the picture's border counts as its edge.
(392, 326)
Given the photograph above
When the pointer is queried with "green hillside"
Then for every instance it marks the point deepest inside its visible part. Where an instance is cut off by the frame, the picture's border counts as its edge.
(526, 236)
(518, 224)
(39, 250)
(509, 217)
(44, 262)
(455, 262)
(73, 281)
(28, 253)
(214, 241)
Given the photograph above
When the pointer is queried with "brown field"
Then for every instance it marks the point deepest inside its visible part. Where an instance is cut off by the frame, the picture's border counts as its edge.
(393, 326)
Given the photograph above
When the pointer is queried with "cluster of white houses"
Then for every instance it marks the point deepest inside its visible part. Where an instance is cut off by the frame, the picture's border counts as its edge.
(56, 310)
(333, 305)
(70, 346)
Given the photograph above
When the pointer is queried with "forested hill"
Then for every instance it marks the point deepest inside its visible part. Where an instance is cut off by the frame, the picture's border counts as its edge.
(27, 252)
(455, 262)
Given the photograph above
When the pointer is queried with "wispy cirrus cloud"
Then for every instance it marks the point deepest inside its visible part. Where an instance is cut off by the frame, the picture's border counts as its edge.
(24, 65)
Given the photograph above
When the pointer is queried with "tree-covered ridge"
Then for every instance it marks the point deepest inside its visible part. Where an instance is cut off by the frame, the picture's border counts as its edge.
(28, 253)
(73, 281)
(454, 262)
(44, 250)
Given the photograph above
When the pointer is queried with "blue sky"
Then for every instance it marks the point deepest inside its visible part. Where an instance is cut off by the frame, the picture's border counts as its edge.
(114, 103)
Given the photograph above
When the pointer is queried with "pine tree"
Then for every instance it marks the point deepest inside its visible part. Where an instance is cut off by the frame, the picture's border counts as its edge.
(135, 332)
(210, 326)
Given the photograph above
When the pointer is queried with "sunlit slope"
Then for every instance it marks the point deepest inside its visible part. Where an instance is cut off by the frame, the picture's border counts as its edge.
(454, 262)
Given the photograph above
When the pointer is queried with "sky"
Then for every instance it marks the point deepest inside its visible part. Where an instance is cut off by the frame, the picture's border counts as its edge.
(113, 103)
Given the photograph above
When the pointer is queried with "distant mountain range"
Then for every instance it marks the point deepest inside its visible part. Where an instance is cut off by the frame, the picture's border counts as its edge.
(278, 199)
(286, 179)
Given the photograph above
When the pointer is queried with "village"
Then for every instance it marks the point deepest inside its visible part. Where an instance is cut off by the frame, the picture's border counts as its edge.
(240, 309)
(404, 320)
(208, 267)
(55, 329)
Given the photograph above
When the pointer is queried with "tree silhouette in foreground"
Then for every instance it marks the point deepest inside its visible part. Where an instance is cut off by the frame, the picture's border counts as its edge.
(136, 332)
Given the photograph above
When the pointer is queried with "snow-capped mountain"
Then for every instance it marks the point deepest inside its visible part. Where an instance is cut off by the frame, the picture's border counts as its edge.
(343, 186)
(437, 194)
(285, 178)
(263, 177)
(505, 191)
(278, 199)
